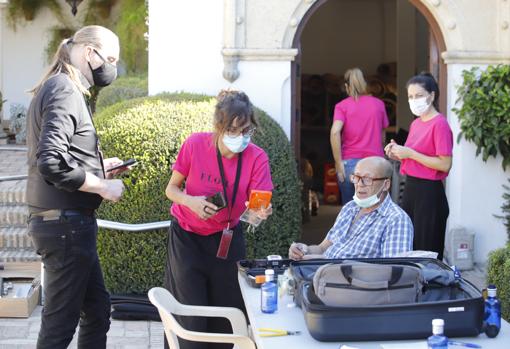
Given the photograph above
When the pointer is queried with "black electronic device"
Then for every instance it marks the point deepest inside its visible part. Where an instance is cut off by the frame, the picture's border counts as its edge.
(218, 200)
(130, 162)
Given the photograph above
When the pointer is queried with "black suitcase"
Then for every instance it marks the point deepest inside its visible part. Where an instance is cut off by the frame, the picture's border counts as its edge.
(460, 305)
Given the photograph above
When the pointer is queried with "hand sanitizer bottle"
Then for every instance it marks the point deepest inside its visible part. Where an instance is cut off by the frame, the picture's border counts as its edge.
(438, 340)
(492, 317)
(269, 294)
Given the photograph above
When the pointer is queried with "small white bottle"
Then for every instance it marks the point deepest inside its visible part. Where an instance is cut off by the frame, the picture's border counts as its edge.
(438, 340)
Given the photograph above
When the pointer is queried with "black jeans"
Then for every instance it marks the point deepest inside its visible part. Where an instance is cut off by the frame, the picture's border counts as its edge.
(74, 289)
(194, 275)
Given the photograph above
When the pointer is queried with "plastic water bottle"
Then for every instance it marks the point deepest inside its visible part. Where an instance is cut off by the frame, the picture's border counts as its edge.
(438, 340)
(456, 272)
(492, 317)
(269, 294)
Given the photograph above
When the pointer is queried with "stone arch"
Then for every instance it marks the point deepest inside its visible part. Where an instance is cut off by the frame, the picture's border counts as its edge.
(430, 9)
(437, 13)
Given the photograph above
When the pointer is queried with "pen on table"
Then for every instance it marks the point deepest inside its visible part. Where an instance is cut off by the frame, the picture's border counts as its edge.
(462, 344)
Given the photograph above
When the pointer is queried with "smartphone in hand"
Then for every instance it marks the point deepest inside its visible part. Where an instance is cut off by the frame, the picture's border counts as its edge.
(218, 200)
(130, 162)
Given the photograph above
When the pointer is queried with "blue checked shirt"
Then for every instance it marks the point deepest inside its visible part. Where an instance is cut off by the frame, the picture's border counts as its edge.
(384, 232)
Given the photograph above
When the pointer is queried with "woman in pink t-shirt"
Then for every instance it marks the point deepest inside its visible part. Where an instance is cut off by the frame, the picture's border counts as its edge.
(356, 133)
(201, 262)
(426, 160)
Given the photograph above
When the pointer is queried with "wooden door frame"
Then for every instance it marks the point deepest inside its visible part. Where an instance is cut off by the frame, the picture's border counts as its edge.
(295, 74)
(438, 35)
(295, 81)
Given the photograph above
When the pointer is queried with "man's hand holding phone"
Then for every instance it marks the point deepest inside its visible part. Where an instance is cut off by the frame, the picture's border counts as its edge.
(115, 166)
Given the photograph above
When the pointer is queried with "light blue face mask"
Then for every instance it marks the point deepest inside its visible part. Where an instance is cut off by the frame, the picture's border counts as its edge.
(236, 144)
(370, 201)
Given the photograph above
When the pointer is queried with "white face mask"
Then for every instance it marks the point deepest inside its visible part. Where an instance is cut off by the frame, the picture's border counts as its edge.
(370, 201)
(236, 144)
(419, 106)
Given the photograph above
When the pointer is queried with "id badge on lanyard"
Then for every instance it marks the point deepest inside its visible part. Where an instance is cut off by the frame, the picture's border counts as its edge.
(226, 239)
(227, 234)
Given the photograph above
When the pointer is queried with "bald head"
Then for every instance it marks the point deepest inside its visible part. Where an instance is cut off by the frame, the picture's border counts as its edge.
(379, 166)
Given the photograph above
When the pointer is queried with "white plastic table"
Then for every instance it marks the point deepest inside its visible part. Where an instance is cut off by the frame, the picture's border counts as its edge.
(292, 319)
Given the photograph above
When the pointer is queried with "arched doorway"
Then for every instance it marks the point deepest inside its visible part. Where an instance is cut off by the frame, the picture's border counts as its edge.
(312, 110)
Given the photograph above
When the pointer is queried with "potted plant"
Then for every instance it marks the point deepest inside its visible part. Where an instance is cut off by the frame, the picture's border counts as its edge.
(19, 122)
(483, 115)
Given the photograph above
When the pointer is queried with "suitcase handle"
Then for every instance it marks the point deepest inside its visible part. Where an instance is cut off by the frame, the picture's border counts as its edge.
(396, 274)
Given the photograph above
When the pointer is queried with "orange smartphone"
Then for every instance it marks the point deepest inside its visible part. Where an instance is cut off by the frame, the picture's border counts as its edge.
(259, 199)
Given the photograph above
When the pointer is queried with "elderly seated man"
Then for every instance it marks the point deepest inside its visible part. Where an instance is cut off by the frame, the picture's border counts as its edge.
(369, 226)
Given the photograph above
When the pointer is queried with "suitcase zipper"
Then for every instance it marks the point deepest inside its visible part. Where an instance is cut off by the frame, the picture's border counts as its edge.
(335, 285)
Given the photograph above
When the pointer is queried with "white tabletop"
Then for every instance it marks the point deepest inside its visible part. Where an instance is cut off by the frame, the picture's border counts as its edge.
(292, 319)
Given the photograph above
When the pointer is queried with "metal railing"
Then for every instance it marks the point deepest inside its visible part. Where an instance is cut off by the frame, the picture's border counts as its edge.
(101, 223)
(12, 178)
(13, 148)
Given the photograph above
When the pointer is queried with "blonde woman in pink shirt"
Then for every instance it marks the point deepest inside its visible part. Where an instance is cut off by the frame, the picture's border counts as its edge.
(357, 129)
(426, 160)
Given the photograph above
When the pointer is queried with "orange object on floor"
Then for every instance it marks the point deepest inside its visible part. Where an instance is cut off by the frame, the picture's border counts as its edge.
(331, 190)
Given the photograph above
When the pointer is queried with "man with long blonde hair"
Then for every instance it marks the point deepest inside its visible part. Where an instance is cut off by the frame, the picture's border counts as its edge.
(67, 181)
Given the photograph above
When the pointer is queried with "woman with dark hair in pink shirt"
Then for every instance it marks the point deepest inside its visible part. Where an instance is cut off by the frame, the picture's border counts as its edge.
(205, 240)
(356, 133)
(426, 160)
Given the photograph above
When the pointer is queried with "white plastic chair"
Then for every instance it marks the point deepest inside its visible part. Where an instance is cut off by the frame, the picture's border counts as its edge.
(167, 306)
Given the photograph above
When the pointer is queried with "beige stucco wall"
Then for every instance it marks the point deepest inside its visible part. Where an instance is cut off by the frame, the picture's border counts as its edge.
(475, 31)
(474, 25)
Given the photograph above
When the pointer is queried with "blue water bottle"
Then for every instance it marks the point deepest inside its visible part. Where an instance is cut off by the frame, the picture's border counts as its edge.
(492, 316)
(438, 340)
(456, 272)
(269, 294)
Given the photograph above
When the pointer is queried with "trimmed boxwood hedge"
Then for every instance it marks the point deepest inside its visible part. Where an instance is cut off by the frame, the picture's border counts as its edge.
(125, 87)
(498, 271)
(152, 129)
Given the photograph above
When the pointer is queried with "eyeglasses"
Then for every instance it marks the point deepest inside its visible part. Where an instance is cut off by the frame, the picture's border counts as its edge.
(234, 131)
(110, 60)
(100, 56)
(365, 180)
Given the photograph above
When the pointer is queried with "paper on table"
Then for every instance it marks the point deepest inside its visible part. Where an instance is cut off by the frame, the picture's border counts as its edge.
(414, 345)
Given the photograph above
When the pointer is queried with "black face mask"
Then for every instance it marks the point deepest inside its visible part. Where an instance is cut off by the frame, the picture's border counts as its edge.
(105, 74)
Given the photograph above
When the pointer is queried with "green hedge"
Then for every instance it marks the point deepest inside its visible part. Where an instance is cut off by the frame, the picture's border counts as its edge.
(124, 88)
(498, 272)
(152, 129)
(276, 235)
